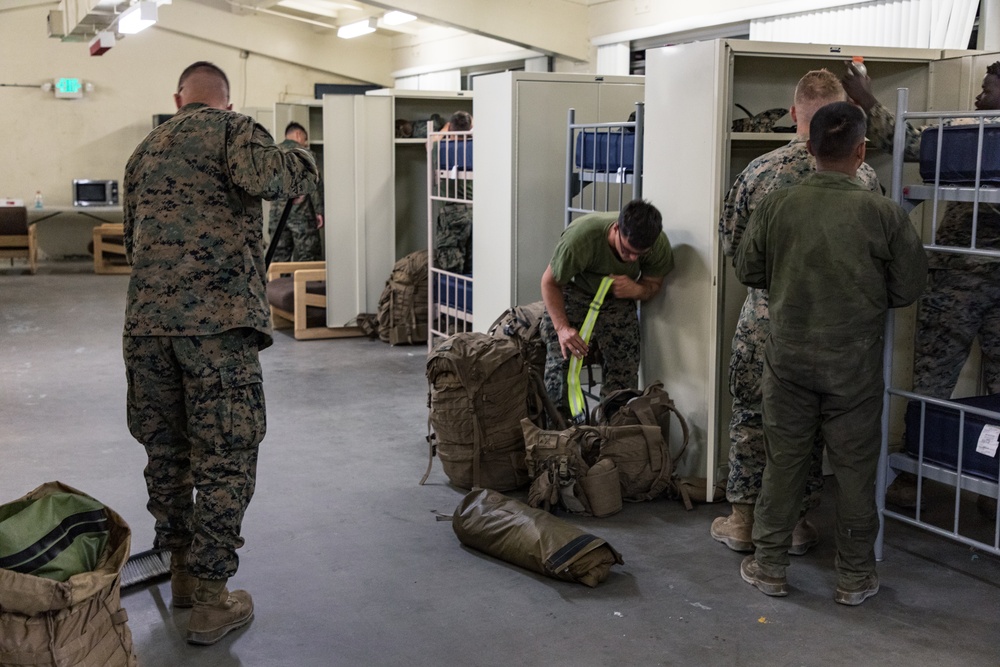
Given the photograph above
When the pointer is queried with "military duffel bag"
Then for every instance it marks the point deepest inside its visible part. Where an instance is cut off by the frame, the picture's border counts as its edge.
(478, 388)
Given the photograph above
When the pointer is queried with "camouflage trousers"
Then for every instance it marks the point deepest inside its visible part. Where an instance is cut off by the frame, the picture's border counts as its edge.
(747, 457)
(956, 307)
(299, 241)
(616, 335)
(196, 403)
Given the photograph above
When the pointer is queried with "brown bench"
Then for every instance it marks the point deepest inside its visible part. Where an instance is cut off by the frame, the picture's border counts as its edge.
(17, 237)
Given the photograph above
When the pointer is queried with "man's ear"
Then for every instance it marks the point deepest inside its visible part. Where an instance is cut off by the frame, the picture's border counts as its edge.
(809, 146)
(860, 151)
(794, 114)
(177, 100)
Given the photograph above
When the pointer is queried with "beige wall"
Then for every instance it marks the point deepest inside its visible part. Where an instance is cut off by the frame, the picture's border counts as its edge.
(48, 142)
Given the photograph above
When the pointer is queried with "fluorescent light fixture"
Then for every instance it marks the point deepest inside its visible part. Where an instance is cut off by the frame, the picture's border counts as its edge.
(137, 18)
(397, 18)
(356, 29)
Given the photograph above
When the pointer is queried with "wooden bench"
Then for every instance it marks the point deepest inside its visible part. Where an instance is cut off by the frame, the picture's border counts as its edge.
(296, 292)
(109, 249)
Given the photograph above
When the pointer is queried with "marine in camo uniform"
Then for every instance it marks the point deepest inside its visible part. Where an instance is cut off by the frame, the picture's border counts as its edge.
(782, 167)
(195, 320)
(300, 240)
(962, 300)
(632, 248)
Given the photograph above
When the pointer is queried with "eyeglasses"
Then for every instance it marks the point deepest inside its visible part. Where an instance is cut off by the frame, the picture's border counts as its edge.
(625, 251)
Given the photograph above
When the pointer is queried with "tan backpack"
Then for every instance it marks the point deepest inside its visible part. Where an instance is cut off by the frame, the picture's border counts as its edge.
(402, 307)
(645, 462)
(478, 388)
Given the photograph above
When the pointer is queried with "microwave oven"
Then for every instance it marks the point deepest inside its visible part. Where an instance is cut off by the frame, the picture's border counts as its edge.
(95, 193)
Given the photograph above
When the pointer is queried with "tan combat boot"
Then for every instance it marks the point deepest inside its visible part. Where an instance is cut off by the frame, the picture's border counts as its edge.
(217, 611)
(804, 537)
(182, 584)
(735, 530)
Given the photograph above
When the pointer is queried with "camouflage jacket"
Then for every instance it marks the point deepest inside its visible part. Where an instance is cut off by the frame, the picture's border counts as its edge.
(955, 228)
(304, 212)
(788, 165)
(193, 222)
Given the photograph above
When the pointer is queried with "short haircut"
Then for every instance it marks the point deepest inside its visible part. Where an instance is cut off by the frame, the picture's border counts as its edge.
(640, 223)
(202, 65)
(993, 69)
(293, 126)
(836, 130)
(460, 121)
(819, 85)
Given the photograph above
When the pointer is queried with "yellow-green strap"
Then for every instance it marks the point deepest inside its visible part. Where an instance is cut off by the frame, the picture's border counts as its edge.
(577, 407)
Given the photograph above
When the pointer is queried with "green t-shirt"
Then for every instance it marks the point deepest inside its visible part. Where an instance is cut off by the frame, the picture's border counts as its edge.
(583, 255)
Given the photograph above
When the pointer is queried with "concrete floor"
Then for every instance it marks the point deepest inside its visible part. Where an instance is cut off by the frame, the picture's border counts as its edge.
(349, 566)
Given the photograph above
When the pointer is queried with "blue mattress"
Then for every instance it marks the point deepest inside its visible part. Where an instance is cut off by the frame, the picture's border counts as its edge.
(605, 151)
(941, 435)
(959, 149)
(454, 292)
(454, 153)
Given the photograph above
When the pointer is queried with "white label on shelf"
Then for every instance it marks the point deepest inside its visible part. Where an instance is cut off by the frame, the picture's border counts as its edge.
(988, 440)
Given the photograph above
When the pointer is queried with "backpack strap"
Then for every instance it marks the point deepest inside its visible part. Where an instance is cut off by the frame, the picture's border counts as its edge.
(577, 404)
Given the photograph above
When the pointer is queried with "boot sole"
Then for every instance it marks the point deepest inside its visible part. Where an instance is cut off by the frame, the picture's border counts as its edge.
(735, 545)
(855, 598)
(773, 590)
(212, 636)
(801, 549)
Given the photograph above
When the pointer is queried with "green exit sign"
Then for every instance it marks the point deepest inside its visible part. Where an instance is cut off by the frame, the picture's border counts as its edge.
(69, 87)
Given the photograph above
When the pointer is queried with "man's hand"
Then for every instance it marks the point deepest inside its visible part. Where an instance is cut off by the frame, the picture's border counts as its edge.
(858, 87)
(643, 289)
(319, 222)
(298, 200)
(623, 287)
(571, 343)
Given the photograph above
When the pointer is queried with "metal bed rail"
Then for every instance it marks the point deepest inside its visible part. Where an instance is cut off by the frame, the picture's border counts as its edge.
(909, 197)
(603, 160)
(450, 168)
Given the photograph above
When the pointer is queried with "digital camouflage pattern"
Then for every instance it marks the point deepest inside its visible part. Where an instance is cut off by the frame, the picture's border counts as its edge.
(453, 238)
(616, 335)
(957, 306)
(196, 317)
(194, 223)
(197, 405)
(300, 241)
(782, 167)
(962, 299)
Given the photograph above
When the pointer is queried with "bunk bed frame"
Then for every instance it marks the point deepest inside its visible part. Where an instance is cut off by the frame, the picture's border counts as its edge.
(603, 173)
(449, 183)
(599, 153)
(909, 197)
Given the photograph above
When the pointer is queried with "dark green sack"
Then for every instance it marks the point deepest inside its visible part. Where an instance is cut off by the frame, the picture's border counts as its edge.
(508, 529)
(55, 536)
